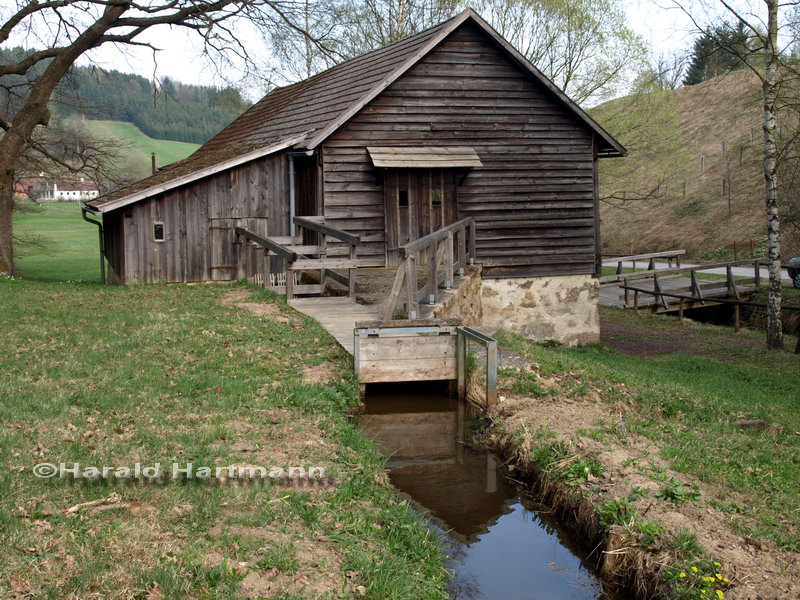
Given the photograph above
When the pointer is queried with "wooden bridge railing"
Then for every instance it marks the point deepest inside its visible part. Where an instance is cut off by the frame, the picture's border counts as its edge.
(301, 257)
(448, 250)
(695, 290)
(669, 255)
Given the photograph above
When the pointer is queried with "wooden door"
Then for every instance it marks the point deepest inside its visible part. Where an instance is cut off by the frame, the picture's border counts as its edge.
(417, 203)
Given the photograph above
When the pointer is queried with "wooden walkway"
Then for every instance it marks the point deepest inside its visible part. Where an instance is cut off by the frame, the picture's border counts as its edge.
(337, 314)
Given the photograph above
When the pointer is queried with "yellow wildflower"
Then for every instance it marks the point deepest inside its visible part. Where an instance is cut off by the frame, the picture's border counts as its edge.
(682, 575)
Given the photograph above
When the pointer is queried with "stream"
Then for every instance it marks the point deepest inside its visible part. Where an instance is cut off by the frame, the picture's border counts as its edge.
(499, 546)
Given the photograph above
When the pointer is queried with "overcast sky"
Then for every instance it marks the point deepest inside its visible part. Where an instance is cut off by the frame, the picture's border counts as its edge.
(665, 30)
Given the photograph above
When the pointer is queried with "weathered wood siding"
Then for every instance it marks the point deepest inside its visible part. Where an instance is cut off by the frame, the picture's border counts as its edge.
(534, 198)
(199, 220)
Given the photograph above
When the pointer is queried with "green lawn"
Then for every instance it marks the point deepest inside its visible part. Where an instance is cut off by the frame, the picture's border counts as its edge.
(689, 401)
(111, 375)
(66, 246)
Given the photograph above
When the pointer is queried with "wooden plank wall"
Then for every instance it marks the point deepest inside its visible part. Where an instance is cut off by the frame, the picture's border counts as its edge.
(533, 201)
(199, 221)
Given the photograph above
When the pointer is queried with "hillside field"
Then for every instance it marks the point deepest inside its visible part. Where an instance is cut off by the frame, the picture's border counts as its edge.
(696, 153)
(136, 147)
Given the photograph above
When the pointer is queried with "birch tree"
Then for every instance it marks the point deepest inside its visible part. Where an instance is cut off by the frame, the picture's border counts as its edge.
(762, 20)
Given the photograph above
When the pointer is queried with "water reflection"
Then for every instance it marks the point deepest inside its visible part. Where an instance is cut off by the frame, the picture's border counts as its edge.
(499, 547)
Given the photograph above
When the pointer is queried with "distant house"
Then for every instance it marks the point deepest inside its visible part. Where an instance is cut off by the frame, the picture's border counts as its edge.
(42, 189)
(450, 123)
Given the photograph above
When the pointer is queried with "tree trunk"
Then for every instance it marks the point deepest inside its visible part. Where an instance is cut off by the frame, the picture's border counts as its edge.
(34, 113)
(774, 324)
(6, 228)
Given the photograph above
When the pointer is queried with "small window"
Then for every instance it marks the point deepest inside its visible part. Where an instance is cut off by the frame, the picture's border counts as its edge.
(402, 199)
(436, 198)
(158, 232)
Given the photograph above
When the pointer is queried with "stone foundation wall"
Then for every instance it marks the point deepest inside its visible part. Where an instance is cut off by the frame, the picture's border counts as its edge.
(463, 302)
(563, 309)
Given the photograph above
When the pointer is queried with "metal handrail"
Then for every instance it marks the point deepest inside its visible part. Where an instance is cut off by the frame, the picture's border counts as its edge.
(465, 334)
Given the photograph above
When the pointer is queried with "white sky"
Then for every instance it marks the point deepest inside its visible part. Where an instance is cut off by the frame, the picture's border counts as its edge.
(664, 29)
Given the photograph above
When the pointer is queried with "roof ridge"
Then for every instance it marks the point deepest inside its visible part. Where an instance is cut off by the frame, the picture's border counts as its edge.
(310, 81)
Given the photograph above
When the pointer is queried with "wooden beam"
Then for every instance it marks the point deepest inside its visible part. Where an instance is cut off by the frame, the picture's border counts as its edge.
(321, 227)
(267, 243)
(423, 242)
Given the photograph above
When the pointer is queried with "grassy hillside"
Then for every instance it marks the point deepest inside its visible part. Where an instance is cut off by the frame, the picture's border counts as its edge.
(682, 145)
(135, 147)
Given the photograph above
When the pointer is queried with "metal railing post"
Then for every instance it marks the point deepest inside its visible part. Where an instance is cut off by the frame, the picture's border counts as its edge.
(461, 367)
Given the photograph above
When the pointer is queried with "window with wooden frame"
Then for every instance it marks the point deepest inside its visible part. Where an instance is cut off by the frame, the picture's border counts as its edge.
(436, 197)
(158, 232)
(402, 197)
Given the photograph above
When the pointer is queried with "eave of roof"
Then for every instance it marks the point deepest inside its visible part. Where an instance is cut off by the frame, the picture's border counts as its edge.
(97, 206)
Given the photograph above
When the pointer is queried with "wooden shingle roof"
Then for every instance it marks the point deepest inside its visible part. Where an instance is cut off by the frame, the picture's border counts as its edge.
(306, 113)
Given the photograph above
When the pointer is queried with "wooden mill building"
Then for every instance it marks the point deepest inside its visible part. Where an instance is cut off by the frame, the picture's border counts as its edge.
(450, 123)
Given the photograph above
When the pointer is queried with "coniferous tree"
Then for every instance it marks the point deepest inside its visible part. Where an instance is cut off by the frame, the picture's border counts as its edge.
(716, 52)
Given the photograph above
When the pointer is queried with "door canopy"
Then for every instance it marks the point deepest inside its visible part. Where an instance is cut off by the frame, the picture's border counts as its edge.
(429, 157)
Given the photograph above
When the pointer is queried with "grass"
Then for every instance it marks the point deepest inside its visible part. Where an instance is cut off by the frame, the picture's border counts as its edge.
(107, 375)
(66, 246)
(689, 403)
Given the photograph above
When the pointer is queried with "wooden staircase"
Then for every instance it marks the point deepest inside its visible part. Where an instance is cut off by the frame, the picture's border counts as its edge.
(288, 257)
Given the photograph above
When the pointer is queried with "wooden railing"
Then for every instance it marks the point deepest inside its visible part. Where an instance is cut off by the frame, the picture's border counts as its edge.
(300, 257)
(447, 251)
(696, 289)
(669, 255)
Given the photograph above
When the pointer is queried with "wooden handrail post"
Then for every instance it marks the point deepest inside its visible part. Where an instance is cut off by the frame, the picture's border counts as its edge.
(430, 284)
(289, 281)
(352, 273)
(757, 273)
(323, 245)
(448, 262)
(731, 283)
(462, 251)
(472, 242)
(411, 286)
(394, 295)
